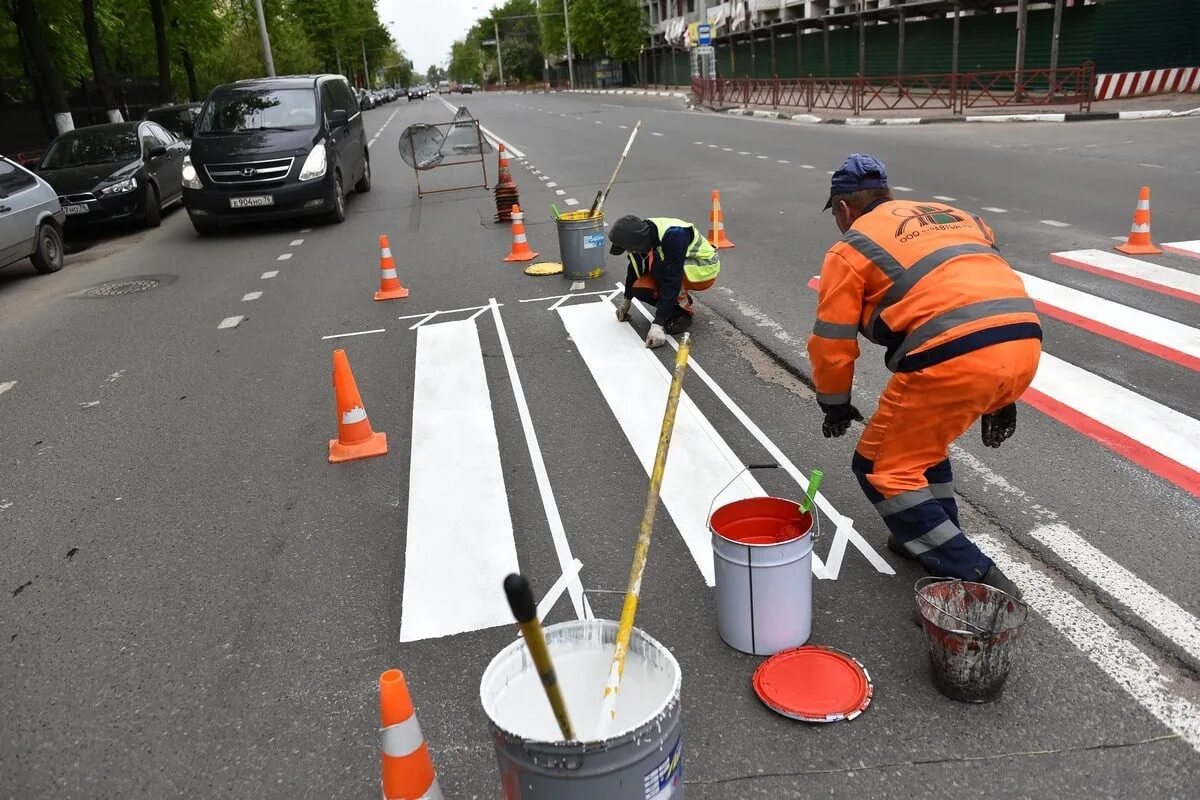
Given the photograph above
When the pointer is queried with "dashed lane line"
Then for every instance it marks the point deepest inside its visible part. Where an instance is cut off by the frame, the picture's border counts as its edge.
(652, 133)
(945, 199)
(559, 192)
(284, 257)
(230, 322)
(571, 201)
(897, 188)
(551, 184)
(1053, 223)
(994, 210)
(248, 296)
(296, 243)
(807, 166)
(271, 273)
(4, 387)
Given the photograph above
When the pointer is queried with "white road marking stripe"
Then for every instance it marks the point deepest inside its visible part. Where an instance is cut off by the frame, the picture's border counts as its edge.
(994, 210)
(248, 296)
(762, 157)
(652, 133)
(1132, 268)
(1152, 166)
(296, 243)
(562, 548)
(571, 201)
(459, 534)
(306, 230)
(782, 161)
(697, 142)
(284, 257)
(714, 145)
(598, 122)
(496, 140)
(945, 199)
(743, 153)
(271, 273)
(897, 188)
(726, 149)
(1055, 223)
(1121, 660)
(353, 333)
(1163, 429)
(577, 285)
(1189, 248)
(559, 192)
(1160, 330)
(623, 127)
(634, 383)
(543, 178)
(807, 166)
(230, 322)
(4, 387)
(551, 184)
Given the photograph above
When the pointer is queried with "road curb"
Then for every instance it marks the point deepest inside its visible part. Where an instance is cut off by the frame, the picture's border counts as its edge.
(860, 122)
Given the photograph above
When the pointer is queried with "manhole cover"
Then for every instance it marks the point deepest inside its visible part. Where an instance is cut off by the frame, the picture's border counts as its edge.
(120, 287)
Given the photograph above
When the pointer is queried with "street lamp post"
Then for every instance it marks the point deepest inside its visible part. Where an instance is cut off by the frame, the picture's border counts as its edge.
(570, 56)
(499, 57)
(366, 72)
(268, 62)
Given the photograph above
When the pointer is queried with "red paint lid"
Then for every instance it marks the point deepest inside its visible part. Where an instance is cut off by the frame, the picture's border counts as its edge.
(814, 684)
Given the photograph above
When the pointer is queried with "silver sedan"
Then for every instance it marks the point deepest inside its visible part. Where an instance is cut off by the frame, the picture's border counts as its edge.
(31, 219)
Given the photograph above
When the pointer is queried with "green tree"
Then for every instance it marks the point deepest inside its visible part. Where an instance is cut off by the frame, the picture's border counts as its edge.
(614, 28)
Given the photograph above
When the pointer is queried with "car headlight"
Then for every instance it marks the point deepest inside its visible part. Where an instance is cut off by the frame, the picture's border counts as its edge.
(120, 187)
(190, 179)
(314, 165)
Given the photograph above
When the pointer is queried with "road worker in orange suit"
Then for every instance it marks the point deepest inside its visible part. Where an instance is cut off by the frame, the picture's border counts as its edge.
(926, 281)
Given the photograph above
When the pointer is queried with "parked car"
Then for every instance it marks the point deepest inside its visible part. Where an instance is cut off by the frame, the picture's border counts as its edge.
(276, 147)
(178, 118)
(466, 88)
(365, 100)
(31, 219)
(115, 172)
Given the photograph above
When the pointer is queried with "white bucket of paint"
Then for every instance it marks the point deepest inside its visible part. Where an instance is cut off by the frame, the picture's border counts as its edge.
(762, 556)
(640, 759)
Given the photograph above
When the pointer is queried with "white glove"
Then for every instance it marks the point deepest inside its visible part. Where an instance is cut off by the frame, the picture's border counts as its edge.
(657, 337)
(623, 310)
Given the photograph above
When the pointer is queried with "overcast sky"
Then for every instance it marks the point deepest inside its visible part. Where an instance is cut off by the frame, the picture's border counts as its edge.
(426, 28)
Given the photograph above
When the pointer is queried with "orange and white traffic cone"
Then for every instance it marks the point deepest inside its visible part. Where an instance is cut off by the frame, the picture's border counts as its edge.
(506, 178)
(355, 439)
(1138, 243)
(390, 287)
(520, 245)
(716, 229)
(408, 772)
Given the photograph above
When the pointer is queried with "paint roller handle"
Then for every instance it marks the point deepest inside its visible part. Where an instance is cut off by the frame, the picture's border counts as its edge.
(520, 598)
(814, 483)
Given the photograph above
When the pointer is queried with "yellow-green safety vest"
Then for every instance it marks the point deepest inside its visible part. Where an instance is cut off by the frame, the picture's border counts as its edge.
(700, 263)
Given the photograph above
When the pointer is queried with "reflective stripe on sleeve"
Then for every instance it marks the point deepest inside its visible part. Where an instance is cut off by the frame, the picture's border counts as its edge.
(949, 320)
(402, 739)
(835, 330)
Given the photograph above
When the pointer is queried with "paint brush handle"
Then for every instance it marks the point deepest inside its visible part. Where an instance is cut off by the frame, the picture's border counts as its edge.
(814, 483)
(520, 600)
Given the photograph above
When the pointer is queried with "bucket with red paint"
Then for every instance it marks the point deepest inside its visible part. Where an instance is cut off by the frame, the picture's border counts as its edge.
(762, 555)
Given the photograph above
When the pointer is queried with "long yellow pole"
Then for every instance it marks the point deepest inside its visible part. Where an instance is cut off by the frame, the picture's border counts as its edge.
(608, 710)
(520, 600)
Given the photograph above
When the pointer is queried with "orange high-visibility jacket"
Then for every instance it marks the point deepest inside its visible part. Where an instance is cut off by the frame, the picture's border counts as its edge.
(921, 278)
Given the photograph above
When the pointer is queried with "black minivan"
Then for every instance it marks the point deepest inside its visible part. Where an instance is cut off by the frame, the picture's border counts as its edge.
(275, 147)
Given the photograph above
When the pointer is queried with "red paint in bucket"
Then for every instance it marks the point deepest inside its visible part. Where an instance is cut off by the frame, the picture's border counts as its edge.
(760, 521)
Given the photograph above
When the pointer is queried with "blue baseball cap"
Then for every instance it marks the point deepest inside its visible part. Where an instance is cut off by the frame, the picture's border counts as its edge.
(859, 171)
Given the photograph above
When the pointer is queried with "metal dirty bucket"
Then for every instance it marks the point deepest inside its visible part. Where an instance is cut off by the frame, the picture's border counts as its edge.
(641, 759)
(762, 555)
(971, 633)
(581, 245)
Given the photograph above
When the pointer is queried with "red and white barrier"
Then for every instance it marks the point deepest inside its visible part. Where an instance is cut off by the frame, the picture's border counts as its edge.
(1153, 81)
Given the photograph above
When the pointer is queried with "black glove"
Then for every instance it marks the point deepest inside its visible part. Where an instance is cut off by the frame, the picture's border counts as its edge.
(998, 426)
(838, 419)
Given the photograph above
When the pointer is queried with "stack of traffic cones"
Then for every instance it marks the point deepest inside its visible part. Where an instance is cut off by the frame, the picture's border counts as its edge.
(1139, 243)
(716, 229)
(407, 770)
(506, 190)
(389, 283)
(355, 438)
(520, 245)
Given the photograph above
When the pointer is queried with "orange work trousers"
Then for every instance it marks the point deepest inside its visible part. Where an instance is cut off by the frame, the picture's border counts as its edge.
(902, 459)
(646, 288)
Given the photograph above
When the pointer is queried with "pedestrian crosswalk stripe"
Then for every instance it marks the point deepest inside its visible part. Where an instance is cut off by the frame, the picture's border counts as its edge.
(1136, 272)
(460, 542)
(1158, 438)
(634, 383)
(1166, 338)
(1191, 248)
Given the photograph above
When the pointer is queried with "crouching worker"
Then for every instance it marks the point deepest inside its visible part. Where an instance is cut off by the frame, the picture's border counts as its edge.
(668, 259)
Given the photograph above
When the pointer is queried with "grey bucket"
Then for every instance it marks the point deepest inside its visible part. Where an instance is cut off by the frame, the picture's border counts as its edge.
(764, 574)
(971, 632)
(642, 761)
(581, 245)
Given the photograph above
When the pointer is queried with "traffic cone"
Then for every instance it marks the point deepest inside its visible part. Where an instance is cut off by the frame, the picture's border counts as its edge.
(506, 191)
(520, 245)
(506, 178)
(389, 283)
(355, 437)
(408, 772)
(1138, 243)
(716, 230)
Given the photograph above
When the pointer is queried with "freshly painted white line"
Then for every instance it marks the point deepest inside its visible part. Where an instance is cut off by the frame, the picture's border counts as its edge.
(1055, 223)
(558, 534)
(562, 296)
(571, 201)
(271, 273)
(1164, 430)
(897, 188)
(459, 535)
(1189, 248)
(550, 598)
(654, 133)
(353, 333)
(807, 166)
(1159, 330)
(551, 184)
(296, 243)
(230, 322)
(248, 296)
(284, 257)
(4, 387)
(945, 199)
(1178, 281)
(635, 383)
(577, 285)
(994, 210)
(844, 531)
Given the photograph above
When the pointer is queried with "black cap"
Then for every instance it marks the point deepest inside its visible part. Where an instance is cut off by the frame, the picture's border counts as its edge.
(631, 233)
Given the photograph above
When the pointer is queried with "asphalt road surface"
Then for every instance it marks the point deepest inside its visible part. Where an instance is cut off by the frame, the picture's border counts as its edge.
(197, 604)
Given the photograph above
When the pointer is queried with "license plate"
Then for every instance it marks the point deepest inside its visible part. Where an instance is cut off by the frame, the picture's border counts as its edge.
(80, 208)
(252, 201)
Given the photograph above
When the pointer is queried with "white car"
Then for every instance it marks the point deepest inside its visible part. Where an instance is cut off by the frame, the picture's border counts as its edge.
(31, 219)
